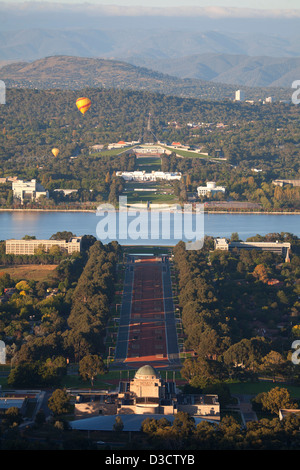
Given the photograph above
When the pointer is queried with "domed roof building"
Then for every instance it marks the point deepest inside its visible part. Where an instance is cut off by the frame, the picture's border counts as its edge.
(146, 372)
(147, 393)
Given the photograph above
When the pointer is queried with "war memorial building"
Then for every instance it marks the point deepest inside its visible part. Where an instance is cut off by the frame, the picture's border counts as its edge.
(146, 394)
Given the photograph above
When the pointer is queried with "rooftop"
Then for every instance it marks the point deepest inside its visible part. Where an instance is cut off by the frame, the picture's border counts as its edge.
(131, 422)
(146, 370)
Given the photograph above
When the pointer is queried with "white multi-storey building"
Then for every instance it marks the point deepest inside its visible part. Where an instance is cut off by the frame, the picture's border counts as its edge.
(209, 189)
(143, 176)
(28, 190)
(239, 95)
(29, 247)
(281, 248)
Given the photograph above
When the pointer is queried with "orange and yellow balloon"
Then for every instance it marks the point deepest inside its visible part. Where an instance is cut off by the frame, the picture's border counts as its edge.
(83, 104)
(55, 152)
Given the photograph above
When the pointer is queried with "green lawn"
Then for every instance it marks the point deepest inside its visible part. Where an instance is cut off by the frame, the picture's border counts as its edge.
(188, 154)
(157, 185)
(110, 153)
(110, 380)
(148, 164)
(136, 197)
(163, 193)
(259, 387)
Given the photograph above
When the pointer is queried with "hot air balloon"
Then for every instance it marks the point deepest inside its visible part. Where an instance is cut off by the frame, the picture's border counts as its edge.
(83, 104)
(55, 152)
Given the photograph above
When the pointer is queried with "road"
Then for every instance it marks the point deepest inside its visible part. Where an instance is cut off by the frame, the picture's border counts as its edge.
(171, 333)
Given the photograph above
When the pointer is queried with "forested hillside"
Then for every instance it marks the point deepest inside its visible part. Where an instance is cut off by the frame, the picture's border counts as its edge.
(74, 73)
(32, 122)
(235, 69)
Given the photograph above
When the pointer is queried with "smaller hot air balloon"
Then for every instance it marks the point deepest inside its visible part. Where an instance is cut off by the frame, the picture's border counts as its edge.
(55, 152)
(83, 104)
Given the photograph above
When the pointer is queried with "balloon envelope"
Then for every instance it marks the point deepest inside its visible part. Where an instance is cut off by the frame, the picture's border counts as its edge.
(55, 152)
(83, 104)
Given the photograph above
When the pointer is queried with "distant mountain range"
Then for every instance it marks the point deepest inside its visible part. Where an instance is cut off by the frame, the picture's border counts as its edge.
(135, 42)
(68, 72)
(230, 69)
(231, 58)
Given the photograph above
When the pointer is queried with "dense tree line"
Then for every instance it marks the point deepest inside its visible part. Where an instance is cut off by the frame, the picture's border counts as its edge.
(91, 300)
(46, 324)
(155, 435)
(230, 312)
(185, 434)
(259, 136)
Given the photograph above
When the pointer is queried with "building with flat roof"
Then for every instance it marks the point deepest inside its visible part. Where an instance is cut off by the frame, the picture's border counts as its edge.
(269, 99)
(239, 95)
(144, 176)
(31, 190)
(29, 247)
(210, 189)
(275, 247)
(148, 149)
(295, 183)
(121, 144)
(11, 402)
(283, 413)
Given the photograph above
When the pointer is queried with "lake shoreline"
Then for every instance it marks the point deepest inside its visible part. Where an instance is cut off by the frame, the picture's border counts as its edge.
(136, 209)
(44, 223)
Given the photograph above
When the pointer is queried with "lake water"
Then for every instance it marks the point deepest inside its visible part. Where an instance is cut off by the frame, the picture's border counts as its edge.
(44, 224)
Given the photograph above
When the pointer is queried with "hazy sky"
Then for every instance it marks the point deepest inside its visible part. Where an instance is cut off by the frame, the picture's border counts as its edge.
(262, 4)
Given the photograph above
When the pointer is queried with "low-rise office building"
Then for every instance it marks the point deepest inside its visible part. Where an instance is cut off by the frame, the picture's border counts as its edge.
(294, 183)
(275, 247)
(29, 247)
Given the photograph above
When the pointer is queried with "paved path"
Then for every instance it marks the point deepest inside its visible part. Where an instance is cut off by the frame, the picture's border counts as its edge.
(172, 343)
(245, 407)
(123, 332)
(147, 329)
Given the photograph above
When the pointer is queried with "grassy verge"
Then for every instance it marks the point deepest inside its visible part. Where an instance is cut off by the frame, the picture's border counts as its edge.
(254, 388)
(111, 153)
(35, 272)
(190, 154)
(148, 164)
(137, 197)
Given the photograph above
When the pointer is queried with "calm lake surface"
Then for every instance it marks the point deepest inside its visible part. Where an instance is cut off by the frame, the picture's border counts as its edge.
(44, 224)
